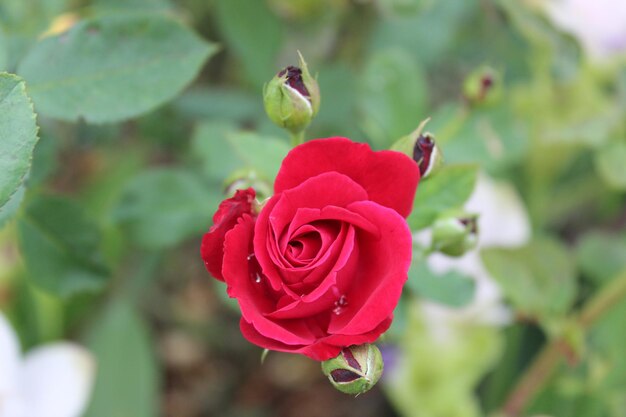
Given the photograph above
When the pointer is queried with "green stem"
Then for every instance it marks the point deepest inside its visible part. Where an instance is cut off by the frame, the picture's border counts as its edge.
(297, 138)
(544, 364)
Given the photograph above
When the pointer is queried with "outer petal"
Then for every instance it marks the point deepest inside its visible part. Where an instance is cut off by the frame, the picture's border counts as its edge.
(256, 298)
(9, 357)
(323, 349)
(390, 178)
(225, 218)
(383, 268)
(318, 351)
(57, 380)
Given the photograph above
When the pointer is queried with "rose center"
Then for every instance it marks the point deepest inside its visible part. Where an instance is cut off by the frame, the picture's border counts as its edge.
(309, 242)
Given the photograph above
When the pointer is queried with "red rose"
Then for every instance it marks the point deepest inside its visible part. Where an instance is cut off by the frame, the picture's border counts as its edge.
(323, 265)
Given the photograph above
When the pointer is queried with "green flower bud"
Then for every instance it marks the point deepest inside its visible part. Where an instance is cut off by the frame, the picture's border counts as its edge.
(292, 98)
(356, 370)
(427, 154)
(483, 87)
(422, 148)
(455, 233)
(245, 178)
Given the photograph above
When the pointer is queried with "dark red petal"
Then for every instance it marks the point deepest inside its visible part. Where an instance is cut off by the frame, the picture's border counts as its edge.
(390, 178)
(318, 351)
(322, 349)
(224, 219)
(255, 296)
(384, 262)
(327, 189)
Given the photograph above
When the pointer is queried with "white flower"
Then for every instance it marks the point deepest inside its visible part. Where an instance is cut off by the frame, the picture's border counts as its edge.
(503, 222)
(49, 381)
(599, 25)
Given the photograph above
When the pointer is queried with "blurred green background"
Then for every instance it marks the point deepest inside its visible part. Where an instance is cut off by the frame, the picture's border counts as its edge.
(149, 109)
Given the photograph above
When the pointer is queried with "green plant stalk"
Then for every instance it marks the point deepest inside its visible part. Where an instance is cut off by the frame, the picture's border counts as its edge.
(297, 138)
(544, 364)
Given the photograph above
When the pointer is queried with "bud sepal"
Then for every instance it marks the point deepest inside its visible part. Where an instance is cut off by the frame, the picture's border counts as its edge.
(292, 98)
(422, 148)
(455, 233)
(355, 370)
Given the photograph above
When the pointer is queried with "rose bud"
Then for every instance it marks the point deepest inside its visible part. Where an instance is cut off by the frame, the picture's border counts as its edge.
(483, 87)
(427, 154)
(422, 148)
(455, 233)
(355, 370)
(292, 98)
(247, 178)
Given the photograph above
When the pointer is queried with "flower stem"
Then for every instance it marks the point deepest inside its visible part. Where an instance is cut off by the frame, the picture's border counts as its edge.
(297, 138)
(544, 364)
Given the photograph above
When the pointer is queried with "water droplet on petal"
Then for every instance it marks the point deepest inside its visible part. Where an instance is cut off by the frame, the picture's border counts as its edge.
(257, 279)
(340, 304)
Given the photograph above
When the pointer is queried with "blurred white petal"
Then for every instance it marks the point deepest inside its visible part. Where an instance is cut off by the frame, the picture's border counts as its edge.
(9, 359)
(485, 308)
(57, 380)
(503, 220)
(599, 25)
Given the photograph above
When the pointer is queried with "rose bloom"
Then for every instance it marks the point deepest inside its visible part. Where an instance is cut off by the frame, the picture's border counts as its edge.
(321, 266)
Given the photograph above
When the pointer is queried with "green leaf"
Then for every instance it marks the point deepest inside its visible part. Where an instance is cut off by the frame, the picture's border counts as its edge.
(224, 150)
(8, 211)
(4, 51)
(113, 68)
(610, 164)
(449, 188)
(601, 255)
(127, 376)
(220, 104)
(162, 207)
(254, 34)
(18, 135)
(452, 288)
(61, 247)
(539, 278)
(393, 96)
(132, 5)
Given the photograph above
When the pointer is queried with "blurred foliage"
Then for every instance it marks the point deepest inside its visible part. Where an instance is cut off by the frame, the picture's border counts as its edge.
(149, 111)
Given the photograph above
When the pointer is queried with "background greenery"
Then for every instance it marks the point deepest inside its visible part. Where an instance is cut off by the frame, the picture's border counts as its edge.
(147, 109)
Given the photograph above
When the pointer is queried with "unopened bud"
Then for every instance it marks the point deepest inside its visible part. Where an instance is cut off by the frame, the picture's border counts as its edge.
(292, 98)
(455, 233)
(483, 87)
(427, 155)
(247, 178)
(356, 370)
(422, 148)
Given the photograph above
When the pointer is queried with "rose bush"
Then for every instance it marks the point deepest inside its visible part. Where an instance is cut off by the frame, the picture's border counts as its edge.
(322, 264)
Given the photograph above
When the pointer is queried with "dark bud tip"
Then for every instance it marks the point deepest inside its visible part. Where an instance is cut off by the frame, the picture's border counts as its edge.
(422, 152)
(343, 376)
(486, 84)
(294, 79)
(471, 224)
(347, 354)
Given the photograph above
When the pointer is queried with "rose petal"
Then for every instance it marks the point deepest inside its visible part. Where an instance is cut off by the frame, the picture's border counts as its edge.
(325, 189)
(383, 266)
(256, 298)
(225, 218)
(390, 178)
(328, 189)
(322, 349)
(57, 380)
(318, 351)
